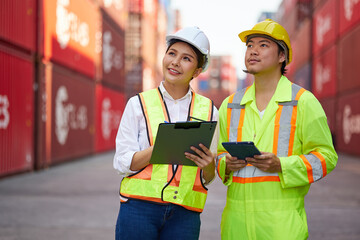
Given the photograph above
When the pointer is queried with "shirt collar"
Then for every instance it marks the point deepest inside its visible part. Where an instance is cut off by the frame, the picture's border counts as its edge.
(167, 95)
(282, 93)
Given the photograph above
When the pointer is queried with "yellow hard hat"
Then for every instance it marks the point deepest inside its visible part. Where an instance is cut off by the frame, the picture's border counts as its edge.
(273, 30)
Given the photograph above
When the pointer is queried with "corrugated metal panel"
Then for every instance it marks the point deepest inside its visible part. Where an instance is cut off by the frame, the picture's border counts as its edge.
(302, 45)
(69, 34)
(349, 15)
(324, 74)
(136, 6)
(328, 105)
(16, 112)
(325, 26)
(116, 9)
(133, 59)
(112, 65)
(348, 61)
(303, 76)
(348, 127)
(17, 22)
(70, 108)
(109, 109)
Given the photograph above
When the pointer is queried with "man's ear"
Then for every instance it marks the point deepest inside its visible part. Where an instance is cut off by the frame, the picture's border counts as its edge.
(282, 57)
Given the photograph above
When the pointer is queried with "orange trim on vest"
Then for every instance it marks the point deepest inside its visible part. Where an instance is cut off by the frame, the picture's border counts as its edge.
(256, 179)
(277, 129)
(292, 130)
(163, 107)
(241, 123)
(210, 111)
(323, 162)
(158, 200)
(144, 174)
(147, 119)
(198, 187)
(308, 169)
(192, 103)
(229, 114)
(293, 123)
(176, 180)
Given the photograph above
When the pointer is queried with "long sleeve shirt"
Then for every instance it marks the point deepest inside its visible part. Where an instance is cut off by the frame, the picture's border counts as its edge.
(132, 132)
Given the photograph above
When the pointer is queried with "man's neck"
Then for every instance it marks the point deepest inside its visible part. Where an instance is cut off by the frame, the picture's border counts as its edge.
(265, 87)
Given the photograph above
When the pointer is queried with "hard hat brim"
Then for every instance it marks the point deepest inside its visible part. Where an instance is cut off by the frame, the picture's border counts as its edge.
(170, 37)
(243, 35)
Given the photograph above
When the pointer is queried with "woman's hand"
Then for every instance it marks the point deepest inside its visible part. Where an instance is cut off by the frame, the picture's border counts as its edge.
(204, 160)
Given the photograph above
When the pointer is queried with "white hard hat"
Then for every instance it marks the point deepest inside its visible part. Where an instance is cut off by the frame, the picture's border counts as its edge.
(195, 37)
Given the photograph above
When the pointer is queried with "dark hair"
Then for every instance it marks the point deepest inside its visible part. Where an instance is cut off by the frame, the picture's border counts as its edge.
(200, 57)
(283, 65)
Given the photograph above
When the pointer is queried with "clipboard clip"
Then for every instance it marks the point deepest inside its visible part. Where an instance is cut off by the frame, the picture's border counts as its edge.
(190, 117)
(187, 125)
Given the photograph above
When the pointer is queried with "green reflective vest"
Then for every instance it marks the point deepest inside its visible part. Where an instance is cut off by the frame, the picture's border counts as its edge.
(159, 182)
(263, 205)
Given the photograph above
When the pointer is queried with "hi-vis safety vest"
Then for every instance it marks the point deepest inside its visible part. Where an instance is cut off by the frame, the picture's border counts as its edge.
(159, 182)
(284, 133)
(262, 205)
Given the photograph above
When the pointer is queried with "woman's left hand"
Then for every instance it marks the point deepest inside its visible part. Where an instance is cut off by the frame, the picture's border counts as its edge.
(204, 160)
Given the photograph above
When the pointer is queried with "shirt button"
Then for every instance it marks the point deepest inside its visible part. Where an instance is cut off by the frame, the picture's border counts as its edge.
(176, 192)
(174, 197)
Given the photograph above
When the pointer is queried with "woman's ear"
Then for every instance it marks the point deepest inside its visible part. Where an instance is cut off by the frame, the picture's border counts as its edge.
(197, 72)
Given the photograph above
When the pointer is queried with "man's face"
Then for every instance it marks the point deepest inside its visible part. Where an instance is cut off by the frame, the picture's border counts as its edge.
(262, 56)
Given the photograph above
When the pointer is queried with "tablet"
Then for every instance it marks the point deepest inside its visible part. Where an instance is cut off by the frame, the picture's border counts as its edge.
(241, 150)
(174, 139)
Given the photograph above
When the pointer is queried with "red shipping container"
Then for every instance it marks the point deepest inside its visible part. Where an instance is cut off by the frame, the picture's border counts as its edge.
(116, 9)
(70, 108)
(16, 112)
(303, 76)
(110, 106)
(112, 64)
(69, 31)
(349, 15)
(18, 22)
(324, 74)
(328, 105)
(301, 46)
(325, 26)
(136, 6)
(348, 61)
(348, 127)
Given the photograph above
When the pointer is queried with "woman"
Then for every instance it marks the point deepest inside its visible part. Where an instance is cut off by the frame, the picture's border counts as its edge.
(160, 201)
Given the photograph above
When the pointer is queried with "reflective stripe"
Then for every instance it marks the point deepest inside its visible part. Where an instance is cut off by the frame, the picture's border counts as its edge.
(159, 182)
(251, 174)
(315, 166)
(284, 134)
(221, 155)
(236, 115)
(285, 124)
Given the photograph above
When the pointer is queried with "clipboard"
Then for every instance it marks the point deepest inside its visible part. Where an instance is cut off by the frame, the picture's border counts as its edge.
(241, 150)
(174, 139)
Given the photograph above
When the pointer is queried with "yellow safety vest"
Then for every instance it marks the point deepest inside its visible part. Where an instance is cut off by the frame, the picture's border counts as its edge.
(158, 182)
(263, 205)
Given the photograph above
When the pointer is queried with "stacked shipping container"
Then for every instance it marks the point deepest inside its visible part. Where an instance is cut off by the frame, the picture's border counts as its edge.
(325, 47)
(62, 89)
(17, 47)
(67, 74)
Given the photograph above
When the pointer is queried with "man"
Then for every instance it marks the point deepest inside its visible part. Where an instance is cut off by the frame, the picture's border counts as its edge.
(265, 198)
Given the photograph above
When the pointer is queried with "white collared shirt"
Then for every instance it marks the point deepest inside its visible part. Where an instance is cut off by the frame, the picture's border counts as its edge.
(132, 133)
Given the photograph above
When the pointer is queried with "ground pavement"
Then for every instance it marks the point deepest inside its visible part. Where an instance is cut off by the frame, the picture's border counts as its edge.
(79, 200)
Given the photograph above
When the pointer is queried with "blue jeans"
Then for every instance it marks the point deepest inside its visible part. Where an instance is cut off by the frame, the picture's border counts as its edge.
(150, 221)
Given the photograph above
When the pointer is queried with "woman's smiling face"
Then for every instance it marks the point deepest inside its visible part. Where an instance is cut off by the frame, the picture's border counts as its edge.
(180, 64)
